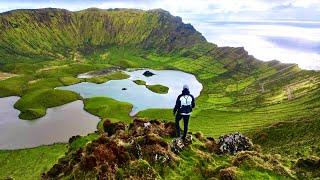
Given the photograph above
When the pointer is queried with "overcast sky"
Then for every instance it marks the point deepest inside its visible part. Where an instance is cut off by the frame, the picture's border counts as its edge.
(190, 10)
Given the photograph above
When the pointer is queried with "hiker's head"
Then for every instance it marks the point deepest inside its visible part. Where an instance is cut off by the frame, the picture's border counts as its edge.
(185, 89)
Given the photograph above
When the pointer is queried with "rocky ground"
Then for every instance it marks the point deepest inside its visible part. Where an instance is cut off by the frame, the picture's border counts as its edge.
(144, 149)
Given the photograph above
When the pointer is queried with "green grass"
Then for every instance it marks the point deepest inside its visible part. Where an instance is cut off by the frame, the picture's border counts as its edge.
(66, 81)
(218, 111)
(157, 88)
(28, 164)
(34, 104)
(81, 141)
(140, 82)
(163, 114)
(108, 108)
(112, 76)
(293, 138)
(13, 86)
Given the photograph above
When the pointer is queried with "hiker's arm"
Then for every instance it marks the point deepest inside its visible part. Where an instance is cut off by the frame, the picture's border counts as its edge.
(193, 103)
(177, 106)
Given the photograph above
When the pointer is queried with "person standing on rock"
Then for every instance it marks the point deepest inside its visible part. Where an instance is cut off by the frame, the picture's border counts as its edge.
(182, 110)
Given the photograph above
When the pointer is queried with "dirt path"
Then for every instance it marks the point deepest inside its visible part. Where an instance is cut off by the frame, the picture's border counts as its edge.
(4, 76)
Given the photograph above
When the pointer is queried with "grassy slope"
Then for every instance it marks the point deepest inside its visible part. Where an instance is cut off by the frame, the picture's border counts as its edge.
(294, 138)
(28, 164)
(210, 118)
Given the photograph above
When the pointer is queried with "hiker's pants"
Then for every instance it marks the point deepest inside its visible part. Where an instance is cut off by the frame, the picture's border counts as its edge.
(185, 124)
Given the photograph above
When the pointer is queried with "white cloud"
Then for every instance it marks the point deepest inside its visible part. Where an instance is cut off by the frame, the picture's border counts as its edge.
(196, 7)
(306, 3)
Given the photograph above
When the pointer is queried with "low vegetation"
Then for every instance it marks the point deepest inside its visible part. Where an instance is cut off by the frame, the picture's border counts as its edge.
(66, 81)
(112, 76)
(140, 82)
(29, 163)
(157, 88)
(34, 104)
(135, 152)
(108, 108)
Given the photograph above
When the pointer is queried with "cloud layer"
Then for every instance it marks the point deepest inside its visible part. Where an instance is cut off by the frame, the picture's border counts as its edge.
(192, 9)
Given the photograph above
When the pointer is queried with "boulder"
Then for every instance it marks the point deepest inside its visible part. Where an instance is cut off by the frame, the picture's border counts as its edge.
(233, 143)
(148, 73)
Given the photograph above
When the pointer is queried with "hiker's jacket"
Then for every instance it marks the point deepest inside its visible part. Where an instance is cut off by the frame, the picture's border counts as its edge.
(184, 104)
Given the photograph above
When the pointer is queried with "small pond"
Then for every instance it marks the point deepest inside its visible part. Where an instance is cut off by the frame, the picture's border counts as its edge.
(138, 95)
(59, 124)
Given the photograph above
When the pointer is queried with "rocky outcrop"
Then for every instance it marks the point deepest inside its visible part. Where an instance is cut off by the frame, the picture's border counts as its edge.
(118, 148)
(142, 150)
(229, 144)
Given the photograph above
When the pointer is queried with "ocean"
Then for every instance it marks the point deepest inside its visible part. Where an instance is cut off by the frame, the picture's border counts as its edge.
(287, 41)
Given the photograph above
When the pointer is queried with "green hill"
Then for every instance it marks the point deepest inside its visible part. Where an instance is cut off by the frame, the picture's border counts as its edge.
(47, 48)
(58, 34)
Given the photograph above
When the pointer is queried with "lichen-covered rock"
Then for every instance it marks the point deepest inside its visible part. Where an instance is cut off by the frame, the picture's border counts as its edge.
(233, 143)
(179, 144)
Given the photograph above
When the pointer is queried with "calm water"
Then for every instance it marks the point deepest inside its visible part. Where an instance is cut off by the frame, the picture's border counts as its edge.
(287, 41)
(58, 125)
(138, 95)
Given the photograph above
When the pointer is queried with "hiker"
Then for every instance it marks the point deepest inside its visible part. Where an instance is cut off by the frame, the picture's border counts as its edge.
(182, 110)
